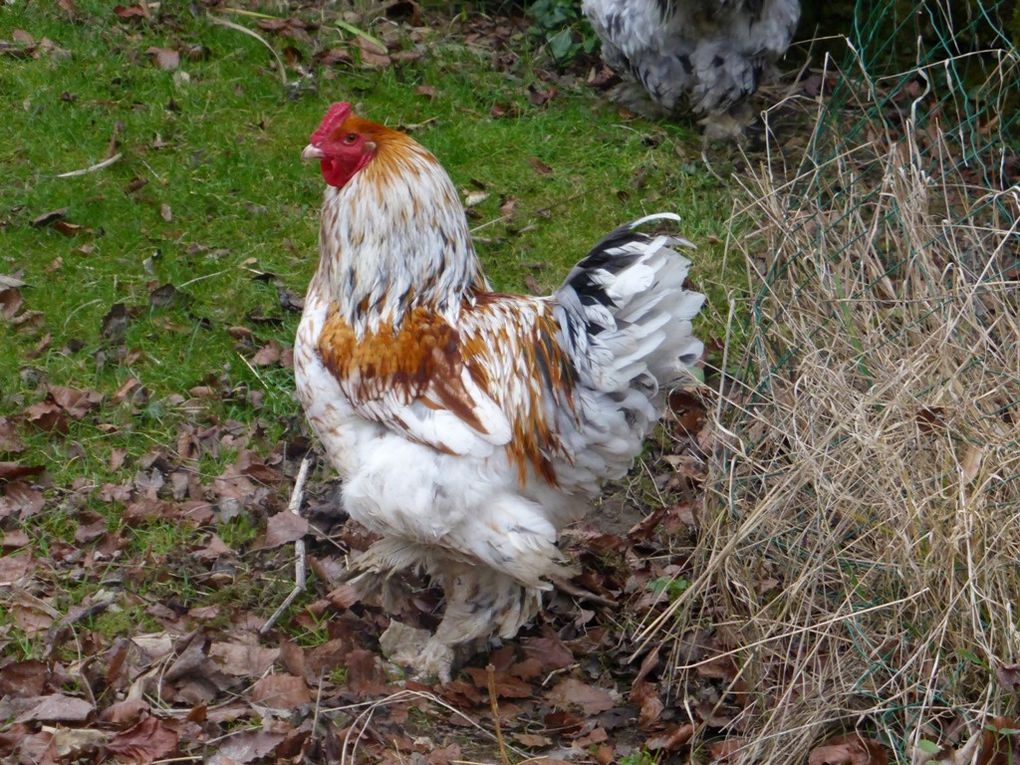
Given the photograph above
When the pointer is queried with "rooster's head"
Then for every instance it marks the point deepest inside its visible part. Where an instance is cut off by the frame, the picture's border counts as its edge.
(343, 143)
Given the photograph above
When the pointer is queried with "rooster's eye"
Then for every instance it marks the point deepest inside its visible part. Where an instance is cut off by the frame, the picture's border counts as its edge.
(350, 138)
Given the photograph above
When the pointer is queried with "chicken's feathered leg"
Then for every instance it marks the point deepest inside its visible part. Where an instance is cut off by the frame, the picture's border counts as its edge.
(479, 601)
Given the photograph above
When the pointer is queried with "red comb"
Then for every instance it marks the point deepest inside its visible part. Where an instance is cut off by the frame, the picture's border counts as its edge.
(337, 113)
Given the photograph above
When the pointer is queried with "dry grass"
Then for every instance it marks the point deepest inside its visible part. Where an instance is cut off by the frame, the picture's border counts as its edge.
(860, 556)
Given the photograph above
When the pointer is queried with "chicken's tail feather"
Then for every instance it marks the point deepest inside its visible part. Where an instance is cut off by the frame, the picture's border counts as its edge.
(625, 321)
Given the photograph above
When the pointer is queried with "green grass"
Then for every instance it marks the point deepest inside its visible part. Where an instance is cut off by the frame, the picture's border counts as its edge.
(217, 143)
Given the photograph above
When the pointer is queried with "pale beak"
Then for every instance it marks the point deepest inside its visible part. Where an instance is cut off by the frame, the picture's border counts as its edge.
(312, 152)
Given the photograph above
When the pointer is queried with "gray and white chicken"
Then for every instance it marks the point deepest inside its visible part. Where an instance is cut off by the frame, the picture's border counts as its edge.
(705, 55)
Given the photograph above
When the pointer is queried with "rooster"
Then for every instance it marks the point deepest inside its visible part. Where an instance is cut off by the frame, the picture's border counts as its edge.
(469, 426)
(707, 54)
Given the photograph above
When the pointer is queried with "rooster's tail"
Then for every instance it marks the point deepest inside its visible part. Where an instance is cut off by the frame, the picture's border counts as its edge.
(625, 321)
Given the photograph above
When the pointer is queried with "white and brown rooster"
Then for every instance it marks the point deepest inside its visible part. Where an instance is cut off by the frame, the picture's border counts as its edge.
(470, 426)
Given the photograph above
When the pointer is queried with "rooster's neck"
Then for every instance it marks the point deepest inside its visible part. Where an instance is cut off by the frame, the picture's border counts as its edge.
(395, 238)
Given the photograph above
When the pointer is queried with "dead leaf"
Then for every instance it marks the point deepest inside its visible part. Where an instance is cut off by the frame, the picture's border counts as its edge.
(15, 538)
(131, 12)
(284, 528)
(115, 323)
(149, 740)
(550, 652)
(77, 403)
(1008, 676)
(539, 166)
(47, 416)
(11, 470)
(23, 679)
(426, 90)
(57, 707)
(334, 56)
(10, 302)
(166, 59)
(541, 96)
(165, 212)
(372, 56)
(672, 739)
(473, 198)
(721, 751)
(364, 675)
(280, 692)
(122, 713)
(532, 740)
(590, 699)
(970, 465)
(851, 749)
(15, 567)
(242, 659)
(1000, 742)
(21, 499)
(49, 217)
(268, 354)
(507, 686)
(245, 747)
(69, 229)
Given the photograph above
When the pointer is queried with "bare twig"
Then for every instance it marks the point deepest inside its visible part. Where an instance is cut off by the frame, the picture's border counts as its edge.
(293, 506)
(490, 673)
(91, 168)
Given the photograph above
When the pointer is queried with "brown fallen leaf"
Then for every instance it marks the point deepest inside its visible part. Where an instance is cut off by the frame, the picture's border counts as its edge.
(268, 354)
(540, 167)
(589, 698)
(541, 96)
(242, 659)
(549, 651)
(48, 217)
(1008, 676)
(372, 56)
(364, 675)
(334, 56)
(166, 59)
(21, 499)
(77, 403)
(246, 746)
(135, 12)
(56, 707)
(1000, 742)
(280, 692)
(532, 740)
(23, 679)
(15, 538)
(852, 749)
(10, 302)
(507, 686)
(15, 567)
(12, 470)
(125, 713)
(672, 739)
(149, 740)
(284, 528)
(114, 324)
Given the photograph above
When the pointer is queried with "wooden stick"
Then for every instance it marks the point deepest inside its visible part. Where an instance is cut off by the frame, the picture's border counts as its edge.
(490, 671)
(293, 506)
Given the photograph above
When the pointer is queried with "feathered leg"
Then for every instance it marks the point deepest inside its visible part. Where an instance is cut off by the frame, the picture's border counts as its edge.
(479, 601)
